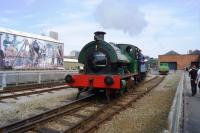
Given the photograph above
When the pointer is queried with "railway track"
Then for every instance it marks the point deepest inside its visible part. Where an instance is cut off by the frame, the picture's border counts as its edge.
(84, 115)
(14, 92)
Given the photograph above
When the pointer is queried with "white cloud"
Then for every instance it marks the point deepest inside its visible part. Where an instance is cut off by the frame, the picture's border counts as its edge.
(4, 20)
(29, 16)
(30, 2)
(161, 35)
(75, 34)
(92, 3)
(165, 30)
(164, 22)
(8, 11)
(120, 15)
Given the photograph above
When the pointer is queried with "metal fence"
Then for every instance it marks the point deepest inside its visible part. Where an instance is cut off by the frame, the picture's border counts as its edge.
(17, 78)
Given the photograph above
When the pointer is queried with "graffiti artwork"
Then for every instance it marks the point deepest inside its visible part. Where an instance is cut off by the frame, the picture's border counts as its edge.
(28, 53)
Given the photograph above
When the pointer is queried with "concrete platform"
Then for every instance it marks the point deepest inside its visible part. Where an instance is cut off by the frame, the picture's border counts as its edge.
(191, 121)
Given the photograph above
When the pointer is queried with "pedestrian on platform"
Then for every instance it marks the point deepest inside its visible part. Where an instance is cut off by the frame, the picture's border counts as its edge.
(186, 68)
(198, 79)
(193, 77)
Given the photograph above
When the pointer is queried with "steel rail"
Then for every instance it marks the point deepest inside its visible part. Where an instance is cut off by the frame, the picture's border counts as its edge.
(32, 122)
(82, 126)
(28, 87)
(33, 91)
(115, 106)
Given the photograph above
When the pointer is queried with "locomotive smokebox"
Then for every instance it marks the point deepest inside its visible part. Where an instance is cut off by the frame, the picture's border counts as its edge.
(99, 35)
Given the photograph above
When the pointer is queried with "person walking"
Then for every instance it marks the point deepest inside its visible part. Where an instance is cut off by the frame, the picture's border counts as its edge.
(193, 78)
(198, 79)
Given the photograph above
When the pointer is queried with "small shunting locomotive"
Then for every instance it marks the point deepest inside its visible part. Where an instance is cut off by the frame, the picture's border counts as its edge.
(108, 67)
(163, 68)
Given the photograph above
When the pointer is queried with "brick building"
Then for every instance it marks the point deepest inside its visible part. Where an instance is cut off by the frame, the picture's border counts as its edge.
(178, 61)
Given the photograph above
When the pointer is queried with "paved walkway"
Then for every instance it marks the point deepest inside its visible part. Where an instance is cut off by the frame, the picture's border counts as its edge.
(191, 109)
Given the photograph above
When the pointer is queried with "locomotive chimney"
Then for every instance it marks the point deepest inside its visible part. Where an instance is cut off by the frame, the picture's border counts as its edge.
(99, 35)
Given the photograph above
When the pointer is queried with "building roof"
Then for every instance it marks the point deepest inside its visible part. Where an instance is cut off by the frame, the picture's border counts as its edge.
(195, 52)
(172, 52)
(25, 34)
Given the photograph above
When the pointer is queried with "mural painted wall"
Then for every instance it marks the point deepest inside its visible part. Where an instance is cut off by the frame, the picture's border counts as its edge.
(27, 53)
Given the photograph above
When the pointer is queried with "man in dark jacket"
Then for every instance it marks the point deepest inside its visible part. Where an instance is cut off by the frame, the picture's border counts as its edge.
(193, 76)
(2, 57)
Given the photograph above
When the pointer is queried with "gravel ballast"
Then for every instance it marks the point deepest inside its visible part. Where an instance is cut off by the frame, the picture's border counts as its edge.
(12, 110)
(149, 114)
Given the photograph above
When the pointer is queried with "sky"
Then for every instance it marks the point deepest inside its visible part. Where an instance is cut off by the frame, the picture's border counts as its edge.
(154, 26)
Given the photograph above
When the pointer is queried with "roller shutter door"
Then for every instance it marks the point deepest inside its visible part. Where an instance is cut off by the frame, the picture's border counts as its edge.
(172, 65)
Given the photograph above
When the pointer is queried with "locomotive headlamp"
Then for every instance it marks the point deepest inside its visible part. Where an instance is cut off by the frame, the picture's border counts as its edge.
(108, 80)
(68, 79)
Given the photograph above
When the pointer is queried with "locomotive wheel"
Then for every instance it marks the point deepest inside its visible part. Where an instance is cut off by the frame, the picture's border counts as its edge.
(80, 90)
(108, 94)
(121, 92)
(129, 84)
(135, 80)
